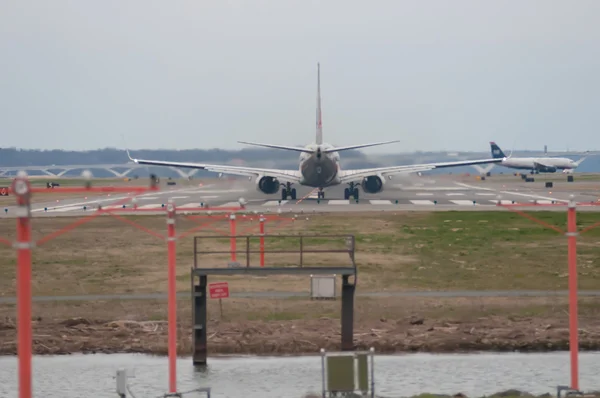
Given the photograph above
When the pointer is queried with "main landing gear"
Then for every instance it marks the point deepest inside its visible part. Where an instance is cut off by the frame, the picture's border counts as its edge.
(352, 191)
(287, 190)
(320, 194)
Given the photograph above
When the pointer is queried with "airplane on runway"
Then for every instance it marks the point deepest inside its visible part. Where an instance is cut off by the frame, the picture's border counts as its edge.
(319, 166)
(536, 165)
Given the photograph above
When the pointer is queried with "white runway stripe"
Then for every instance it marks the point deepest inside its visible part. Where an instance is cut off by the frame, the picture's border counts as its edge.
(339, 202)
(380, 202)
(421, 202)
(230, 204)
(503, 201)
(463, 202)
(70, 208)
(188, 206)
(152, 206)
(455, 194)
(542, 202)
(424, 194)
(484, 194)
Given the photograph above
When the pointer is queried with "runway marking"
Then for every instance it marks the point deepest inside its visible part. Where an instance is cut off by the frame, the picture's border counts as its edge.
(275, 203)
(434, 189)
(179, 197)
(200, 191)
(230, 204)
(111, 199)
(543, 202)
(484, 193)
(503, 201)
(515, 193)
(380, 202)
(421, 202)
(150, 198)
(455, 194)
(473, 187)
(339, 202)
(70, 208)
(463, 202)
(152, 206)
(188, 206)
(307, 195)
(424, 194)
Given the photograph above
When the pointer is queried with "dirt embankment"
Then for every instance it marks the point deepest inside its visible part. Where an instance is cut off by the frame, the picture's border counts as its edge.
(80, 335)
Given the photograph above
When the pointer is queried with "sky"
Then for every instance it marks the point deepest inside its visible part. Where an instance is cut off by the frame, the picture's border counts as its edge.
(437, 75)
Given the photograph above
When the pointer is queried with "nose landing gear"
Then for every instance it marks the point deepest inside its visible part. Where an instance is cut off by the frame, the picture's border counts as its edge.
(287, 190)
(351, 191)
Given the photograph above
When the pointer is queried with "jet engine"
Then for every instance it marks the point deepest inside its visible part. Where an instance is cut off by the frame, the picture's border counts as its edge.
(373, 184)
(267, 185)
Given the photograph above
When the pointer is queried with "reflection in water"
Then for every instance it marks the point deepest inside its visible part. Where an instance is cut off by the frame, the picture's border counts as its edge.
(77, 376)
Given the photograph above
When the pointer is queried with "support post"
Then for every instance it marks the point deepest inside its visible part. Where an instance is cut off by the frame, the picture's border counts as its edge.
(199, 315)
(573, 321)
(233, 239)
(347, 314)
(261, 222)
(172, 297)
(22, 188)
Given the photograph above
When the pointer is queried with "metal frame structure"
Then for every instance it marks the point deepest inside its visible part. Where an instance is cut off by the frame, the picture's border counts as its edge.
(199, 281)
(23, 191)
(571, 233)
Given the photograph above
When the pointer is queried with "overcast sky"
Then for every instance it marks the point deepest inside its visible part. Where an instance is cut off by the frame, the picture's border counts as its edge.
(438, 75)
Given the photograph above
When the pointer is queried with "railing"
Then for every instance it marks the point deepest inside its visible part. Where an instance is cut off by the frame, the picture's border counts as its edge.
(302, 248)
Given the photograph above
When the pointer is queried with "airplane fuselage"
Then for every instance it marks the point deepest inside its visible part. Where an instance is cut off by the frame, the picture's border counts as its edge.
(536, 163)
(318, 169)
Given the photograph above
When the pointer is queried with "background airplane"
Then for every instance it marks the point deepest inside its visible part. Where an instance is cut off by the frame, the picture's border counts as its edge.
(536, 165)
(319, 166)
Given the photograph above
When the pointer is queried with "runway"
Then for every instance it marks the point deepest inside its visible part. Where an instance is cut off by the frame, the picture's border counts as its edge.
(417, 194)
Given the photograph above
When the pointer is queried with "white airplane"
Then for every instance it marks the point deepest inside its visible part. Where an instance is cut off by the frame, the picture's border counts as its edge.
(319, 166)
(536, 165)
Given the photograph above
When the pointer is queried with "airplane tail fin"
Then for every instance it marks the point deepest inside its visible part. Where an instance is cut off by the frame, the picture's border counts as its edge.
(319, 135)
(497, 153)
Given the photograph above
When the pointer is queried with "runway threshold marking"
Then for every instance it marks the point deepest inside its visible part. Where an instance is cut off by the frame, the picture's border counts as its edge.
(514, 193)
(307, 195)
(421, 202)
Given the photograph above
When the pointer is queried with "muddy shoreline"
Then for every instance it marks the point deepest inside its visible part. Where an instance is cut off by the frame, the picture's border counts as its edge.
(81, 335)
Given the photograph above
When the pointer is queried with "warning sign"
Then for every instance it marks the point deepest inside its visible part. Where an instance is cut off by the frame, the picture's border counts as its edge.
(3, 191)
(218, 290)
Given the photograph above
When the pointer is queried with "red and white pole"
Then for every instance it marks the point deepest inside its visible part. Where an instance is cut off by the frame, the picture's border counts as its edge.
(261, 222)
(172, 298)
(22, 189)
(233, 238)
(573, 321)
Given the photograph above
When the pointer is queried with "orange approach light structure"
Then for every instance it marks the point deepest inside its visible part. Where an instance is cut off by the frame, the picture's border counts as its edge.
(571, 233)
(22, 190)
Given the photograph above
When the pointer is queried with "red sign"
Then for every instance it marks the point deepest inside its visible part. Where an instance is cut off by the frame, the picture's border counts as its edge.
(218, 290)
(3, 191)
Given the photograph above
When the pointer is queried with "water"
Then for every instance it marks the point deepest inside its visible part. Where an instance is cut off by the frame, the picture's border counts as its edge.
(396, 375)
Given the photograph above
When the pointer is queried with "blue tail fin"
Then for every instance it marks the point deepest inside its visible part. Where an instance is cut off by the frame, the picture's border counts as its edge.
(496, 151)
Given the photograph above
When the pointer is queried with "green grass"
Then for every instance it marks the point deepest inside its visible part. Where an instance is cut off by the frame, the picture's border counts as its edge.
(404, 251)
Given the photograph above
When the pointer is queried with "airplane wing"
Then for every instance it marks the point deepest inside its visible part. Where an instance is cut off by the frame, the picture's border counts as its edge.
(359, 174)
(540, 165)
(284, 175)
